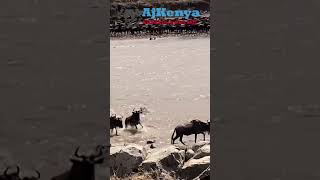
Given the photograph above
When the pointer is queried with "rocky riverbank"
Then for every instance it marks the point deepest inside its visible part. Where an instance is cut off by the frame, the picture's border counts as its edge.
(126, 20)
(132, 161)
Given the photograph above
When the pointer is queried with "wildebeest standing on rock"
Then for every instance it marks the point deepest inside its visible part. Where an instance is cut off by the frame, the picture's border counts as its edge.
(32, 177)
(193, 127)
(115, 122)
(134, 119)
(10, 176)
(82, 167)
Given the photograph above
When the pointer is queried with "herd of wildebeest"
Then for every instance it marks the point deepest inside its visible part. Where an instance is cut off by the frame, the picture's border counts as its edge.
(83, 166)
(193, 127)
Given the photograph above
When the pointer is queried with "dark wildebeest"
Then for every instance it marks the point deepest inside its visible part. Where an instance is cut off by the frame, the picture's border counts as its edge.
(32, 177)
(82, 166)
(10, 176)
(193, 127)
(134, 119)
(115, 122)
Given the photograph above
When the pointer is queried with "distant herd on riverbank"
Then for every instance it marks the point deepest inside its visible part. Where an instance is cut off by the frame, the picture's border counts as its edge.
(126, 20)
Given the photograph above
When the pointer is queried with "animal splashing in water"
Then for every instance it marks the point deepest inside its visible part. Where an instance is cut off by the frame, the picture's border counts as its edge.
(193, 127)
(135, 119)
(115, 122)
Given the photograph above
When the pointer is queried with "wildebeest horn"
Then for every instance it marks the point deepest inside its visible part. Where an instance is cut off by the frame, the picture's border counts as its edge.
(6, 171)
(18, 170)
(99, 147)
(76, 153)
(38, 173)
(100, 152)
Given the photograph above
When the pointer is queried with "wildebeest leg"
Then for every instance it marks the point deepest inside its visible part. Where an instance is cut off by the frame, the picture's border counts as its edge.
(204, 137)
(175, 138)
(136, 126)
(141, 125)
(116, 132)
(195, 138)
(181, 140)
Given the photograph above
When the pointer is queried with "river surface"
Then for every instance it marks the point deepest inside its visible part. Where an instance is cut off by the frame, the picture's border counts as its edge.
(168, 76)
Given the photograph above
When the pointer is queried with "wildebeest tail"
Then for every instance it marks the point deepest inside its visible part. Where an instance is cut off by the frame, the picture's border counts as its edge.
(172, 136)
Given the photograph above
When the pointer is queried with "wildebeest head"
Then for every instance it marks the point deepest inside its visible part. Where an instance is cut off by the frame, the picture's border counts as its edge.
(141, 110)
(202, 126)
(11, 176)
(87, 161)
(136, 112)
(113, 116)
(32, 177)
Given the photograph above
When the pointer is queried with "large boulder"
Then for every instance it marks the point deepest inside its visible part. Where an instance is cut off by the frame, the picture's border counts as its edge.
(202, 152)
(199, 144)
(168, 158)
(125, 159)
(194, 167)
(189, 154)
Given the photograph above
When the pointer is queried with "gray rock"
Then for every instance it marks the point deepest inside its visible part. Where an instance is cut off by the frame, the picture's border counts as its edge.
(125, 159)
(189, 154)
(194, 167)
(202, 152)
(168, 158)
(199, 144)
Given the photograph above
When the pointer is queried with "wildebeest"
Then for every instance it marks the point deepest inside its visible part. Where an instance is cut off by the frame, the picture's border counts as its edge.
(32, 177)
(193, 127)
(82, 166)
(134, 119)
(115, 122)
(10, 176)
